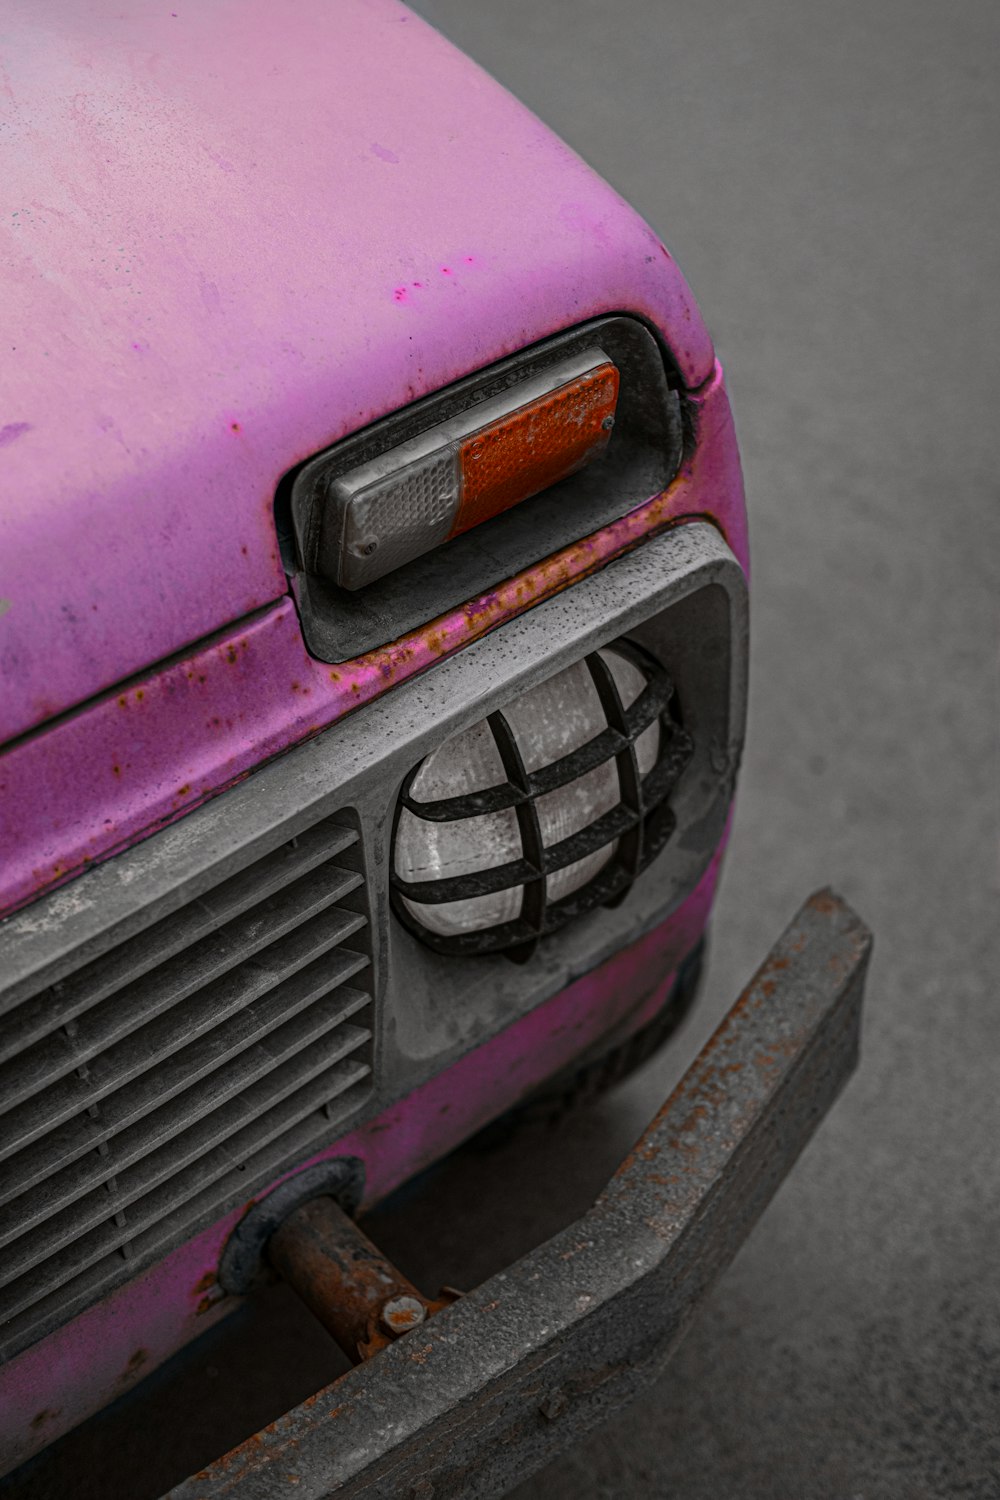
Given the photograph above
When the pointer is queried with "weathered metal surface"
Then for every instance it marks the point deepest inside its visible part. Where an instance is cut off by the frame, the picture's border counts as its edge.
(433, 1010)
(135, 760)
(362, 1300)
(489, 1389)
(189, 317)
(107, 1349)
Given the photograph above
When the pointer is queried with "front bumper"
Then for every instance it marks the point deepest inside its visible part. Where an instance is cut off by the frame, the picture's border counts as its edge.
(487, 1391)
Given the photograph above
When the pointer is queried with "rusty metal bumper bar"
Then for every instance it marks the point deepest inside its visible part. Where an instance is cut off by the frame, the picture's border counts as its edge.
(487, 1390)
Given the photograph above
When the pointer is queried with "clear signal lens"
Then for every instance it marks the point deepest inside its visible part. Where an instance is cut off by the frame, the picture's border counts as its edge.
(399, 518)
(473, 467)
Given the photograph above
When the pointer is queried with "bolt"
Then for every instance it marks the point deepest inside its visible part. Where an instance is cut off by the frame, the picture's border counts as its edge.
(400, 1314)
(554, 1405)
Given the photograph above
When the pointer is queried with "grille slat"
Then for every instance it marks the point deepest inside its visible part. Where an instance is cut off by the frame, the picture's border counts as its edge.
(95, 981)
(167, 1032)
(304, 1136)
(22, 1209)
(179, 1073)
(57, 1056)
(89, 1228)
(159, 1218)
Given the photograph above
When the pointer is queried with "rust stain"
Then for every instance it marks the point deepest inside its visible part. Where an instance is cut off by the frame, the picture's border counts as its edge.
(135, 1364)
(47, 1414)
(205, 1282)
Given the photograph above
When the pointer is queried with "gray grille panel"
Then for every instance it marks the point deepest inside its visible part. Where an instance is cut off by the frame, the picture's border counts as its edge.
(54, 1094)
(152, 947)
(346, 1083)
(66, 1244)
(181, 1070)
(135, 1143)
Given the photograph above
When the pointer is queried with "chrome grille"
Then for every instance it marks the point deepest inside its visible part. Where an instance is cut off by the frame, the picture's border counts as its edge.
(178, 1073)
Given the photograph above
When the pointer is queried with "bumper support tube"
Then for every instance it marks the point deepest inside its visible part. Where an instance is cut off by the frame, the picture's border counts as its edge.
(480, 1394)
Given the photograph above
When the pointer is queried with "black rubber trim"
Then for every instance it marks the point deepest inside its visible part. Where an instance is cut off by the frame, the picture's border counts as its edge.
(242, 1262)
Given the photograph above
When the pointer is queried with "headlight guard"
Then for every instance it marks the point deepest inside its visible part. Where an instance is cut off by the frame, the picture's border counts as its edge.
(581, 825)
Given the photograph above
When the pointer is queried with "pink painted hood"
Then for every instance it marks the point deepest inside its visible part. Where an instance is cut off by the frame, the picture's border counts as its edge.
(233, 231)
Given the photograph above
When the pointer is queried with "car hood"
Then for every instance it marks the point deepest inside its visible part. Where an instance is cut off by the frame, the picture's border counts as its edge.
(235, 231)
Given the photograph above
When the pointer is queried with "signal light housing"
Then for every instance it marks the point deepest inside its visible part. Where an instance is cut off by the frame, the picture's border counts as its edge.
(444, 481)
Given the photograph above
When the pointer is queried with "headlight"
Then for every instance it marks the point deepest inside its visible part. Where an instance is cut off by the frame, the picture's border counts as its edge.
(542, 812)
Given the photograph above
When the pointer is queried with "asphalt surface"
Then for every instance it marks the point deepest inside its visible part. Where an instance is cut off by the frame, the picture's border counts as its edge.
(826, 176)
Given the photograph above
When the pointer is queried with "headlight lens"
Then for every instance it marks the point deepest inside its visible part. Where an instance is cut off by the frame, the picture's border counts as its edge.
(543, 811)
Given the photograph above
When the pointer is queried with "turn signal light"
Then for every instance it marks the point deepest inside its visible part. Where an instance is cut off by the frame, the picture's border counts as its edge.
(462, 472)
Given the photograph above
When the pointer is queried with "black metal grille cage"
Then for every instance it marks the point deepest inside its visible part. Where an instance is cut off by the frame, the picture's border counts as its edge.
(180, 1072)
(642, 822)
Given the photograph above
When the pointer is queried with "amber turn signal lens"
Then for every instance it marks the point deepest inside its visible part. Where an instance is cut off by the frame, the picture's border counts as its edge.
(523, 453)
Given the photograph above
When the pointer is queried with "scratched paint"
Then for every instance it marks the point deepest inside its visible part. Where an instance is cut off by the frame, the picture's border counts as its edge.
(134, 760)
(91, 1360)
(187, 322)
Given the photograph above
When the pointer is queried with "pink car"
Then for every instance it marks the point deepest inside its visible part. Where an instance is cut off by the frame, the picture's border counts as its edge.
(374, 638)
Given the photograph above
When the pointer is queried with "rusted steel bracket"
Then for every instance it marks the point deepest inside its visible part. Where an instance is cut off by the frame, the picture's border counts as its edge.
(481, 1395)
(346, 1282)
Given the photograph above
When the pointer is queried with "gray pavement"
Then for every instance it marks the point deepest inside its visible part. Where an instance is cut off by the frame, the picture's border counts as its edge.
(826, 176)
